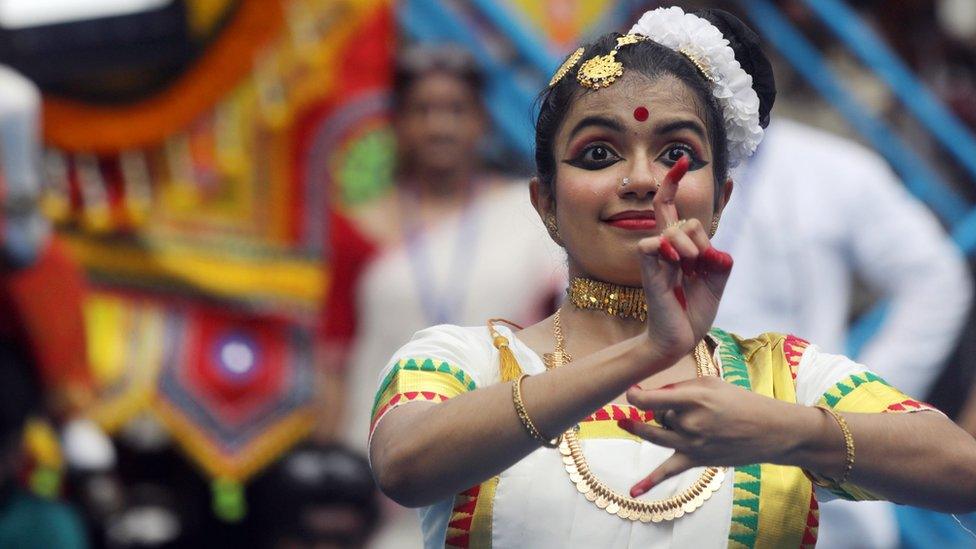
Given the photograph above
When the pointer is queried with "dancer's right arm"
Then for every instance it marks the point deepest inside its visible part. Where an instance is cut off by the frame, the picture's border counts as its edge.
(423, 452)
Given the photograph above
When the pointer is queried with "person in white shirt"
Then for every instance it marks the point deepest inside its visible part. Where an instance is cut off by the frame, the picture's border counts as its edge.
(796, 228)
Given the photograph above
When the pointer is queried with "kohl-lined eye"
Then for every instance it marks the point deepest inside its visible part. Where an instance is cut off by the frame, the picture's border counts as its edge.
(675, 151)
(595, 157)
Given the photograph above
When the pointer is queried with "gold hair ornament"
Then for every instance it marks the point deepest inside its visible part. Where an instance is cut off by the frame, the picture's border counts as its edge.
(567, 66)
(602, 70)
(696, 60)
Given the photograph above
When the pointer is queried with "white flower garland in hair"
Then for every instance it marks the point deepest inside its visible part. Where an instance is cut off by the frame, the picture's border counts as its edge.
(731, 85)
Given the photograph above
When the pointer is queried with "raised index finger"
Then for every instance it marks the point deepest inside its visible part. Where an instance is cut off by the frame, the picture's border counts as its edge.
(664, 210)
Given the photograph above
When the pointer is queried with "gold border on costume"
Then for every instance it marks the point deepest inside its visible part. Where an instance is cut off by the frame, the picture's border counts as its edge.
(866, 393)
(470, 522)
(772, 504)
(428, 379)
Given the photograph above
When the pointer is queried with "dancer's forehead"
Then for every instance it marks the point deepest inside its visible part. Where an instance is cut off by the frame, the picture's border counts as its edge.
(667, 101)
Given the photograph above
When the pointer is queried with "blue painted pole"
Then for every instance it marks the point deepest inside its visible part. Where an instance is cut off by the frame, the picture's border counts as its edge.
(535, 51)
(920, 179)
(875, 53)
(509, 104)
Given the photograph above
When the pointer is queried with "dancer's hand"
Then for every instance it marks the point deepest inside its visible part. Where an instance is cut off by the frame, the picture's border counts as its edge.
(683, 275)
(710, 422)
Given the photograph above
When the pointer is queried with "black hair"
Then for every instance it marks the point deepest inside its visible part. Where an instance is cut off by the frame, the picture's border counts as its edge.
(415, 62)
(653, 60)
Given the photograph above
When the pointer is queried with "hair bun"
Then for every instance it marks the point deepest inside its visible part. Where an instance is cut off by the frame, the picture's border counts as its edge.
(749, 53)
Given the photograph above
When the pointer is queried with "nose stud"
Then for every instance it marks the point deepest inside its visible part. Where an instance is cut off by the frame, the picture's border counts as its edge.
(626, 182)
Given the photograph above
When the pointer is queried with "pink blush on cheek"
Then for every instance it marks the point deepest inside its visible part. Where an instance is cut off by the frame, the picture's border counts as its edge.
(640, 114)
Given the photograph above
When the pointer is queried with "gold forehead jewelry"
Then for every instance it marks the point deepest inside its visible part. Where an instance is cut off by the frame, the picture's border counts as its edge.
(567, 66)
(602, 70)
(696, 60)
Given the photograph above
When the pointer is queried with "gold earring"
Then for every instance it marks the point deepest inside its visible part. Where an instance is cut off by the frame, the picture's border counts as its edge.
(714, 226)
(551, 225)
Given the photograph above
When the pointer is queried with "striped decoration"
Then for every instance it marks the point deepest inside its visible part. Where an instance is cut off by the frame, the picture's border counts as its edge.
(602, 424)
(865, 392)
(748, 479)
(813, 524)
(793, 348)
(425, 379)
(470, 522)
(844, 396)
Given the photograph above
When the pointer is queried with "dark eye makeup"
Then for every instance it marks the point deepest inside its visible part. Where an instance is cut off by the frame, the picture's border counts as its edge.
(594, 156)
(675, 151)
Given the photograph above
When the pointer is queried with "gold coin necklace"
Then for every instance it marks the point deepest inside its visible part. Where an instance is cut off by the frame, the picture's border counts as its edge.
(614, 503)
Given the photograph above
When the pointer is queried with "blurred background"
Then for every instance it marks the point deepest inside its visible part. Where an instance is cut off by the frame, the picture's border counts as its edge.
(219, 218)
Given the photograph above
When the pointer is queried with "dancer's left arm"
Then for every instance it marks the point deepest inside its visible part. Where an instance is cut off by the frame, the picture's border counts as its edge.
(918, 458)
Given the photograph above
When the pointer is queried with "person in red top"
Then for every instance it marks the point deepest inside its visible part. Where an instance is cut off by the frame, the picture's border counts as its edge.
(349, 254)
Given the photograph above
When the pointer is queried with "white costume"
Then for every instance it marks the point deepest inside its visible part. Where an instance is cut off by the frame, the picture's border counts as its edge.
(535, 504)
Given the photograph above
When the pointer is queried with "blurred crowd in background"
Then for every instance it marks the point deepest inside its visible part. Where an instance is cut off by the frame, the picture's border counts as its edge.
(219, 219)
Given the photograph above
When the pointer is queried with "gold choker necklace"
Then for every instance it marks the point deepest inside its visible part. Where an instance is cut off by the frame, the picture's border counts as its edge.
(621, 301)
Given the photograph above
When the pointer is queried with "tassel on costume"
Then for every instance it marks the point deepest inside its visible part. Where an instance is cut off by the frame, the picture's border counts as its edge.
(510, 369)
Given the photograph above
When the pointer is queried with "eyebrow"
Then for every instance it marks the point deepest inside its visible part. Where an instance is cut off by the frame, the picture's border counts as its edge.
(682, 125)
(600, 121)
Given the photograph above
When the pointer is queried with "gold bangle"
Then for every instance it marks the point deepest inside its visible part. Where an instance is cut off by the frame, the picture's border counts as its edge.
(524, 416)
(848, 443)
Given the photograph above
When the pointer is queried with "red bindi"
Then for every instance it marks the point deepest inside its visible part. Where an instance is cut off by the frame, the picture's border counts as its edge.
(640, 114)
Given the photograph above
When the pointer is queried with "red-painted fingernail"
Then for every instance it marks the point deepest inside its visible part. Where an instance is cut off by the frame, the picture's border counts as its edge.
(679, 169)
(724, 262)
(626, 424)
(641, 488)
(689, 266)
(668, 251)
(717, 261)
(679, 294)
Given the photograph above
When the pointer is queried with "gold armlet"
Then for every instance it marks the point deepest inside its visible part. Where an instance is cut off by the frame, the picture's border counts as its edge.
(524, 416)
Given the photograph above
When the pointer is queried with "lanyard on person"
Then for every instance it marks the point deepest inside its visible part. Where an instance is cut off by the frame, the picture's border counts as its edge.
(440, 307)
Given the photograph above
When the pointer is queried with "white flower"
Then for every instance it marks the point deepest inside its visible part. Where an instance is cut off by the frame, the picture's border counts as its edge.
(731, 85)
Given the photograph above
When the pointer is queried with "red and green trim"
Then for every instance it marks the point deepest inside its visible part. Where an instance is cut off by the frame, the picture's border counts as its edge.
(419, 379)
(470, 522)
(793, 349)
(747, 487)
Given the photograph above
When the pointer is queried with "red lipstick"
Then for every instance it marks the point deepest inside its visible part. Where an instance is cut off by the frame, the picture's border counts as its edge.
(633, 220)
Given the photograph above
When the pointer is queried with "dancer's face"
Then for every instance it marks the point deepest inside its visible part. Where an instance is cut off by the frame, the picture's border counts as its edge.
(635, 129)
